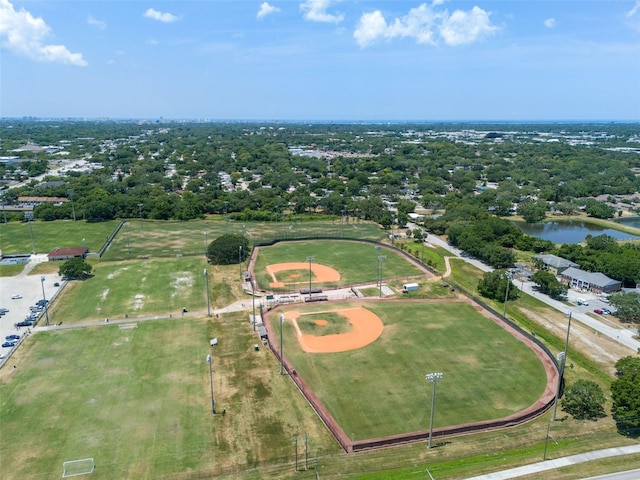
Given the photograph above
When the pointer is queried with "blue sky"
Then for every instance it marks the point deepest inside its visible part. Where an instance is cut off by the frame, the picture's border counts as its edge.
(442, 60)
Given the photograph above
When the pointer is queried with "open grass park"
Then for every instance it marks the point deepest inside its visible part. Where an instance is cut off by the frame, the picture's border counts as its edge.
(135, 393)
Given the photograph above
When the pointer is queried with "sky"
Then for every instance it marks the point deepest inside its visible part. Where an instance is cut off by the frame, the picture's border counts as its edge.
(329, 60)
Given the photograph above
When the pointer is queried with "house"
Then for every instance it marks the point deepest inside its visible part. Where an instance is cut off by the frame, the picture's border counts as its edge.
(67, 253)
(555, 264)
(592, 281)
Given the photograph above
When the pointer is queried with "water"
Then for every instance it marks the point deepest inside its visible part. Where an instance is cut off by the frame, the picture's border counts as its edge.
(572, 231)
(629, 221)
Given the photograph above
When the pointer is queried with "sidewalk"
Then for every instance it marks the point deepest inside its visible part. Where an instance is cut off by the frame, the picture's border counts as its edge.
(558, 463)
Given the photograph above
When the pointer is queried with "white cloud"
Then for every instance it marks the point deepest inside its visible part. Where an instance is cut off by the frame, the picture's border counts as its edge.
(466, 27)
(550, 22)
(23, 34)
(316, 11)
(633, 16)
(370, 27)
(96, 23)
(426, 25)
(266, 9)
(160, 16)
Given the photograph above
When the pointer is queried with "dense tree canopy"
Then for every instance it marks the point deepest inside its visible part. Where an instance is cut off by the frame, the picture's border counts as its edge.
(494, 285)
(625, 391)
(228, 249)
(75, 269)
(584, 400)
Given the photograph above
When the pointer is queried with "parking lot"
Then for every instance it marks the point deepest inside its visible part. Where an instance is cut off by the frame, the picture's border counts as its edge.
(30, 289)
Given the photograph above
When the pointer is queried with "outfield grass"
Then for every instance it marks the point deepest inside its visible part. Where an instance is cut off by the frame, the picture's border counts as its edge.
(355, 261)
(166, 239)
(15, 237)
(381, 389)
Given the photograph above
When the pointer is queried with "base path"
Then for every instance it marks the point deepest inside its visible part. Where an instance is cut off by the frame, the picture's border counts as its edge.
(367, 327)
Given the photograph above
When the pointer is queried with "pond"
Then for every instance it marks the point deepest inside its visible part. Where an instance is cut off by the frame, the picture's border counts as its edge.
(629, 221)
(571, 231)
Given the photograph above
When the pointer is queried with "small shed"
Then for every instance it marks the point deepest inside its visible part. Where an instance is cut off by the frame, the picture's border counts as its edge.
(67, 253)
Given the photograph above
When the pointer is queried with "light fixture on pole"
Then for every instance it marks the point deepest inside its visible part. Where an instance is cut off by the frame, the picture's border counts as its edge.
(44, 297)
(506, 297)
(206, 245)
(140, 214)
(433, 378)
(310, 259)
(240, 260)
(206, 282)
(381, 258)
(281, 351)
(29, 217)
(253, 302)
(213, 403)
(562, 359)
(73, 208)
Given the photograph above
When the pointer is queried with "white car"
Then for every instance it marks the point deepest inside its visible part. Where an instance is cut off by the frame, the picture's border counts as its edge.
(17, 296)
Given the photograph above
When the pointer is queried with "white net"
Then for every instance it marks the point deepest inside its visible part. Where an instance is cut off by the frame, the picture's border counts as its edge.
(77, 467)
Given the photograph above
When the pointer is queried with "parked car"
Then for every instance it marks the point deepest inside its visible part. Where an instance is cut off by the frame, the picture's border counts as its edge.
(12, 337)
(17, 296)
(9, 344)
(24, 323)
(606, 311)
(598, 311)
(4, 310)
(42, 302)
(56, 284)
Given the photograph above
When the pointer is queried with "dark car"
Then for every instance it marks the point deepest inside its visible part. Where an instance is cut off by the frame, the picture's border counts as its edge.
(12, 337)
(56, 284)
(9, 344)
(24, 323)
(606, 311)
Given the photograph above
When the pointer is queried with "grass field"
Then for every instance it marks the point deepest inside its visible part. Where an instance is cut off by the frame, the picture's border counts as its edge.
(164, 239)
(139, 402)
(355, 261)
(15, 237)
(381, 389)
(141, 288)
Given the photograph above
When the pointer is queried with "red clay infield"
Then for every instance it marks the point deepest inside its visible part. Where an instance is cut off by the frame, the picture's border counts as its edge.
(367, 327)
(321, 273)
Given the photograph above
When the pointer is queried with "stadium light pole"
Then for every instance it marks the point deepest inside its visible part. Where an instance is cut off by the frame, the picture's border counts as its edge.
(4, 212)
(381, 258)
(240, 260)
(253, 302)
(73, 208)
(562, 357)
(213, 403)
(281, 351)
(128, 242)
(506, 297)
(206, 282)
(310, 259)
(433, 378)
(30, 220)
(140, 214)
(44, 297)
(205, 243)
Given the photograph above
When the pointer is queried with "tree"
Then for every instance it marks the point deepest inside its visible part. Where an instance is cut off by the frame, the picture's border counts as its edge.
(225, 250)
(627, 306)
(584, 400)
(625, 392)
(75, 269)
(532, 211)
(549, 284)
(494, 285)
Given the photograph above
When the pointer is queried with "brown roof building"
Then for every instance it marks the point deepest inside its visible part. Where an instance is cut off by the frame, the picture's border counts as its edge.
(67, 253)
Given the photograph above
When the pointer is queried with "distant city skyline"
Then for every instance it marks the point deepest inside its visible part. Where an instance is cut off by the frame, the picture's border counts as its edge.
(321, 60)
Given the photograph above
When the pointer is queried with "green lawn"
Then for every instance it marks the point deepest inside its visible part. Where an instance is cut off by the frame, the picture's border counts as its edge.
(137, 288)
(15, 237)
(355, 261)
(168, 238)
(381, 389)
(138, 401)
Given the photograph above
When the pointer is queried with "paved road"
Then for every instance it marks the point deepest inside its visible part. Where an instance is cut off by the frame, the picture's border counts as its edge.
(624, 336)
(559, 463)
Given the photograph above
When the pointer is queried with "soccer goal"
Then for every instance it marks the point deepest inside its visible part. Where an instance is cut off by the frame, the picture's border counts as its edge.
(77, 467)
